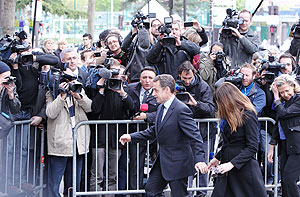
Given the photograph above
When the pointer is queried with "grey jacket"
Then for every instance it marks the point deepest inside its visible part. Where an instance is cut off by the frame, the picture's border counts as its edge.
(240, 50)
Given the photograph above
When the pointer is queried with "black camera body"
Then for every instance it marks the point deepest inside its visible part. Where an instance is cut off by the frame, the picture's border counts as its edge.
(236, 79)
(51, 80)
(181, 94)
(26, 60)
(231, 20)
(10, 80)
(220, 56)
(16, 44)
(296, 30)
(139, 20)
(166, 30)
(272, 68)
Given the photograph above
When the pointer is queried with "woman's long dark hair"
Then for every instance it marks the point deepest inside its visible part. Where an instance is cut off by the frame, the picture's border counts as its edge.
(232, 104)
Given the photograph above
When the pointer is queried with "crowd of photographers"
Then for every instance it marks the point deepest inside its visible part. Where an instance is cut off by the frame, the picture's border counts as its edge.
(112, 79)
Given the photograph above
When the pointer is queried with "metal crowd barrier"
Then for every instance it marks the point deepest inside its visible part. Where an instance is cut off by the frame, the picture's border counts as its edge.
(22, 161)
(195, 187)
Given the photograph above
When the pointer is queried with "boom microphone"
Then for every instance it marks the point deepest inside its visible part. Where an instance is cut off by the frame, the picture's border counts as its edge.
(105, 73)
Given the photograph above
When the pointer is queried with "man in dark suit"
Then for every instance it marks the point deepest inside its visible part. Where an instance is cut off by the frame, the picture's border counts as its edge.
(180, 142)
(141, 93)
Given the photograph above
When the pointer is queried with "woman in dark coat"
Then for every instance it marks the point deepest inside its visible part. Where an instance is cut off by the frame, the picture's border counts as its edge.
(238, 172)
(287, 105)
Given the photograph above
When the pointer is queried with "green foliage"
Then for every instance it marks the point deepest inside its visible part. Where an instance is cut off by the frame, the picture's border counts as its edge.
(240, 5)
(104, 5)
(54, 7)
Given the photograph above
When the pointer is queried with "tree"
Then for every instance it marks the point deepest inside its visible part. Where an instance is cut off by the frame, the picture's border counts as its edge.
(91, 16)
(54, 7)
(7, 19)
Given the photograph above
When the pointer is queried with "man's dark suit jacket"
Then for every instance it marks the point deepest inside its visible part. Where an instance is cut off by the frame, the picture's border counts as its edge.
(180, 142)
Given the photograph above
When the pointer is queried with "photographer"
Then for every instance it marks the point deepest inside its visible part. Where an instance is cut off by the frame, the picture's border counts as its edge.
(251, 89)
(87, 43)
(110, 103)
(71, 58)
(201, 104)
(10, 104)
(287, 60)
(113, 43)
(240, 42)
(171, 51)
(25, 67)
(154, 33)
(213, 65)
(136, 44)
(64, 112)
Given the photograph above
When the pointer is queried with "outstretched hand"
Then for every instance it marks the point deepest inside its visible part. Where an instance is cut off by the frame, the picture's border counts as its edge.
(125, 138)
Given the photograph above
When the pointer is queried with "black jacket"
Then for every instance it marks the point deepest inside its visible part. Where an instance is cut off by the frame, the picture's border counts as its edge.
(27, 79)
(289, 118)
(110, 106)
(9, 106)
(240, 148)
(136, 45)
(169, 59)
(134, 94)
(201, 92)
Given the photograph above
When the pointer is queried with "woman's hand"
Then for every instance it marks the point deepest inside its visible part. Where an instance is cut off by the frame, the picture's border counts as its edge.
(275, 91)
(225, 167)
(213, 163)
(271, 153)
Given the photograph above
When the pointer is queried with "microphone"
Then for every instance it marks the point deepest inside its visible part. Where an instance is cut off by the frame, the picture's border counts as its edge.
(144, 107)
(105, 73)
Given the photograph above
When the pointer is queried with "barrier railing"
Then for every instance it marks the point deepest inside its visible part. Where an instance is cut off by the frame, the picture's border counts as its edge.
(22, 161)
(212, 140)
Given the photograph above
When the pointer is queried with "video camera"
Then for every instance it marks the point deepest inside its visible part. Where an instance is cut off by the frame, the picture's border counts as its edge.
(139, 22)
(166, 30)
(54, 77)
(15, 44)
(181, 94)
(234, 77)
(231, 20)
(272, 68)
(296, 30)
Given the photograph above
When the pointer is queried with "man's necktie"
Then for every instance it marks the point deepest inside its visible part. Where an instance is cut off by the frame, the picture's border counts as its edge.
(145, 96)
(160, 115)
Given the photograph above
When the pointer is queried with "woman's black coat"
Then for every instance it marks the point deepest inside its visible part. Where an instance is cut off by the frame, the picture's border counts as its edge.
(239, 148)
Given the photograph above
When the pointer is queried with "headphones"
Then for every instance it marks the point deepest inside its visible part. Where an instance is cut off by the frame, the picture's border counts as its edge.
(113, 35)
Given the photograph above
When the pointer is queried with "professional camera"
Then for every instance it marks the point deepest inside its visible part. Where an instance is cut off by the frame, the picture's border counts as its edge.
(220, 56)
(234, 77)
(10, 80)
(166, 29)
(26, 60)
(51, 80)
(272, 68)
(139, 22)
(296, 30)
(15, 44)
(181, 94)
(231, 20)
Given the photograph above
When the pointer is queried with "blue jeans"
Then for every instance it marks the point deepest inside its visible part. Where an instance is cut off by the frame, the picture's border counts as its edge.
(57, 166)
(16, 148)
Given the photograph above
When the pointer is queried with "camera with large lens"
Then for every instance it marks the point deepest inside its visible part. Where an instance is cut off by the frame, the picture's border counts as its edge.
(166, 30)
(139, 22)
(73, 86)
(220, 56)
(231, 20)
(13, 44)
(235, 77)
(26, 60)
(272, 68)
(181, 94)
(10, 80)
